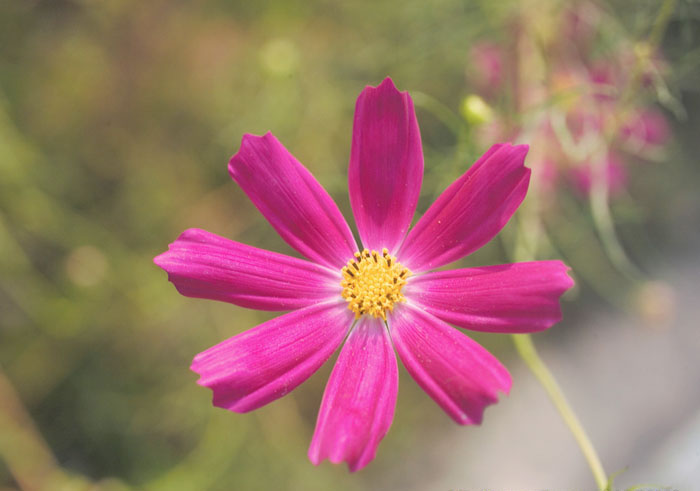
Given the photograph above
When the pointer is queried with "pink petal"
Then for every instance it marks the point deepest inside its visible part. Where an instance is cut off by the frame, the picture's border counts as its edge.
(488, 67)
(510, 298)
(648, 126)
(204, 265)
(460, 375)
(386, 165)
(656, 129)
(471, 211)
(293, 201)
(615, 175)
(263, 364)
(358, 404)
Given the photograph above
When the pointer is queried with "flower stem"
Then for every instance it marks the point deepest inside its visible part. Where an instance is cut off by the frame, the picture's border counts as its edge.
(526, 350)
(605, 226)
(22, 448)
(661, 22)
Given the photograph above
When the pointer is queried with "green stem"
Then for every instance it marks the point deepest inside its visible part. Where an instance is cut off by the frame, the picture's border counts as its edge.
(526, 350)
(605, 226)
(661, 22)
(443, 113)
(528, 236)
(25, 452)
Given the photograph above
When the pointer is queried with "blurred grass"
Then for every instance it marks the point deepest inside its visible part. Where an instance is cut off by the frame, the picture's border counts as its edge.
(117, 119)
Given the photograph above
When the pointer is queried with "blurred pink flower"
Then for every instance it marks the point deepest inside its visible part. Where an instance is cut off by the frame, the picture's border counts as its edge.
(606, 79)
(615, 175)
(648, 127)
(547, 175)
(578, 24)
(487, 67)
(366, 297)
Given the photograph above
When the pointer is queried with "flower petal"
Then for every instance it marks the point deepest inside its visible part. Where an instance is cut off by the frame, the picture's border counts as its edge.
(358, 404)
(263, 364)
(510, 298)
(386, 165)
(204, 265)
(471, 211)
(460, 375)
(294, 203)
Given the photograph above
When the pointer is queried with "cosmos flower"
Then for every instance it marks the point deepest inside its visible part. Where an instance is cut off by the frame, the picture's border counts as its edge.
(487, 68)
(614, 174)
(372, 299)
(647, 128)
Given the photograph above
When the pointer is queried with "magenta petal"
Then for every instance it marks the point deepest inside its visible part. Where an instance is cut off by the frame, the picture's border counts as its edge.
(510, 298)
(460, 375)
(358, 404)
(293, 201)
(386, 165)
(471, 211)
(263, 364)
(204, 265)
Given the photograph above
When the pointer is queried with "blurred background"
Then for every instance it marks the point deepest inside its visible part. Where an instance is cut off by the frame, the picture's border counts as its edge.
(117, 120)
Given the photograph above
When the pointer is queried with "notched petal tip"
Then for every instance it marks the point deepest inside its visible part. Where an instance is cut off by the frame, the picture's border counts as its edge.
(477, 417)
(353, 466)
(386, 89)
(217, 398)
(560, 276)
(518, 151)
(248, 140)
(508, 384)
(161, 260)
(165, 258)
(569, 281)
(386, 85)
(520, 147)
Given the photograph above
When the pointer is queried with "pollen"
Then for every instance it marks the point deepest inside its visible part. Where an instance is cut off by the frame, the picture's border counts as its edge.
(372, 283)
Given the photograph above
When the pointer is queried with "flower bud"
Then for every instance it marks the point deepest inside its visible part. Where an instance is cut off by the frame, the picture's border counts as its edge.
(475, 110)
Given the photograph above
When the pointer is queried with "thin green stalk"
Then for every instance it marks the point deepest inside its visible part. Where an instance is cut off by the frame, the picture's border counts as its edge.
(661, 22)
(527, 242)
(604, 223)
(656, 34)
(25, 452)
(605, 226)
(443, 113)
(526, 350)
(600, 207)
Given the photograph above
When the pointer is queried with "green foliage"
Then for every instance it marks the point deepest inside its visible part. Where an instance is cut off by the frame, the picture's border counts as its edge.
(117, 119)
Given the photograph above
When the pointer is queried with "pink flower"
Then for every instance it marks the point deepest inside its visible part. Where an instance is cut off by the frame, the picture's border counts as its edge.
(648, 127)
(615, 175)
(376, 298)
(487, 71)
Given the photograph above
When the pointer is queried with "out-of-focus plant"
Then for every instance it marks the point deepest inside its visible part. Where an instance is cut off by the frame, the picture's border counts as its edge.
(588, 96)
(584, 94)
(115, 117)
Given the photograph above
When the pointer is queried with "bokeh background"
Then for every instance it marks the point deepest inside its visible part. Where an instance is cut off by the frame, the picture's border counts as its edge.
(117, 120)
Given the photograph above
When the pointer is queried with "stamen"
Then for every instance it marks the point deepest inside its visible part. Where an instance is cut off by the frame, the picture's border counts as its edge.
(375, 284)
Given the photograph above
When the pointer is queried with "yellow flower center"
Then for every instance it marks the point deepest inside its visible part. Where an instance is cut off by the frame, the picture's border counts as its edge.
(372, 283)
